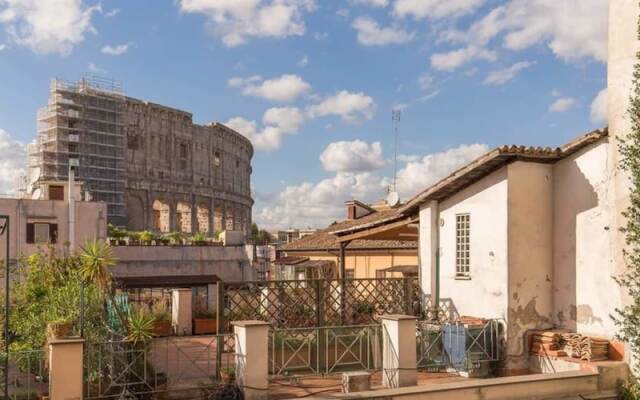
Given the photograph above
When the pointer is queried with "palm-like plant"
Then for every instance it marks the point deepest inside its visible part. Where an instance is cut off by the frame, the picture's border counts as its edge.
(97, 259)
(140, 327)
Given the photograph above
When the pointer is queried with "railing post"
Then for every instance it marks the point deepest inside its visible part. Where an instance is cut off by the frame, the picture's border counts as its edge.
(408, 296)
(221, 325)
(399, 365)
(320, 322)
(66, 361)
(252, 360)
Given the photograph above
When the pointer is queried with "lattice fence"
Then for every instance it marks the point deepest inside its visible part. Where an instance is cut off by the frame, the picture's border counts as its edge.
(317, 303)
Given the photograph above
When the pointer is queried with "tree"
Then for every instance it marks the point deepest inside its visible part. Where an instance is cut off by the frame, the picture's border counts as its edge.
(259, 236)
(628, 318)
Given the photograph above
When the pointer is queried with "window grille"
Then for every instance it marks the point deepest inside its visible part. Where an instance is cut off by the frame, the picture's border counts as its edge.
(463, 226)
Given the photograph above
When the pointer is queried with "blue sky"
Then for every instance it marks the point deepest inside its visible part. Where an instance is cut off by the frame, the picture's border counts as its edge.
(312, 83)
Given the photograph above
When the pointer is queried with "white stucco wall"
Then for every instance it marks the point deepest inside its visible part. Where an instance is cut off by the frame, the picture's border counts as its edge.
(530, 255)
(485, 293)
(585, 293)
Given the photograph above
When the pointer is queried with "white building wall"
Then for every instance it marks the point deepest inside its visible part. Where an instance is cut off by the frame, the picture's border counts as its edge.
(585, 293)
(485, 292)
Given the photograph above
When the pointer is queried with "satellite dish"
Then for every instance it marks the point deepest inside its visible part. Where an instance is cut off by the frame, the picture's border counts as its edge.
(393, 199)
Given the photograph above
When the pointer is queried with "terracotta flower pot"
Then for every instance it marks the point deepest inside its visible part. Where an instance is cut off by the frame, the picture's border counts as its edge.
(204, 326)
(162, 328)
(59, 330)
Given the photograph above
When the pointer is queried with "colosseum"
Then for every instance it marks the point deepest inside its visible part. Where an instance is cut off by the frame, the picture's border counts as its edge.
(150, 163)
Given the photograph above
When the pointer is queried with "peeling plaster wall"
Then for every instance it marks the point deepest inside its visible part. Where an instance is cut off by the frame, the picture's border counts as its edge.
(530, 259)
(485, 292)
(585, 293)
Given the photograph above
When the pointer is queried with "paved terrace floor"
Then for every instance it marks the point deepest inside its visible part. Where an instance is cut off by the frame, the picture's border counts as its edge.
(308, 386)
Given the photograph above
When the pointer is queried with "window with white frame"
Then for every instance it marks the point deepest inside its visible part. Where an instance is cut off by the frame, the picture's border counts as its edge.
(463, 226)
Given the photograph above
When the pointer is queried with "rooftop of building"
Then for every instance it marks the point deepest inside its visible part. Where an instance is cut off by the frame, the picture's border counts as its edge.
(325, 239)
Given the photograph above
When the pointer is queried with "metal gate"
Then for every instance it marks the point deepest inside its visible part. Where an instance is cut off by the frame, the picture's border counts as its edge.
(189, 364)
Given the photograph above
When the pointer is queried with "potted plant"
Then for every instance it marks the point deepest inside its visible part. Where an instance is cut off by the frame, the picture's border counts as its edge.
(59, 328)
(205, 322)
(146, 237)
(228, 374)
(162, 319)
(133, 238)
(199, 239)
(175, 238)
(363, 312)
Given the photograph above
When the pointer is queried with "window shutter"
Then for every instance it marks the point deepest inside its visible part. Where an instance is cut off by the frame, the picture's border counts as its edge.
(53, 233)
(30, 233)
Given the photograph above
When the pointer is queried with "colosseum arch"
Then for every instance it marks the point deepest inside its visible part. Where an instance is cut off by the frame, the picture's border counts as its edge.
(218, 216)
(161, 216)
(183, 217)
(203, 214)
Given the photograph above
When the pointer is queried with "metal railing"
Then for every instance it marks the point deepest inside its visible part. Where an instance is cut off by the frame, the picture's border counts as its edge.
(324, 350)
(317, 302)
(115, 370)
(458, 346)
(28, 377)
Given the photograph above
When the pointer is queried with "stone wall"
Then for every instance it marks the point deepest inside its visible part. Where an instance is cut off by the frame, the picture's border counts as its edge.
(183, 176)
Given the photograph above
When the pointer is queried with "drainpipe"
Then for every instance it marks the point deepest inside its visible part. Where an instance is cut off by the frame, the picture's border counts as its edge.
(72, 205)
(434, 224)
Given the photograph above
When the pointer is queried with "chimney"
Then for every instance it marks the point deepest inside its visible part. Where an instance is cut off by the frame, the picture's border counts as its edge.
(357, 209)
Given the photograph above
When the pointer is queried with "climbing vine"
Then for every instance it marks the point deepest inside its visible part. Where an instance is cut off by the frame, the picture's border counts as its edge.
(628, 318)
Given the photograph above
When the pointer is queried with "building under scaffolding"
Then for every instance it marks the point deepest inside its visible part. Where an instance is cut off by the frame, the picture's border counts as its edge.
(150, 163)
(84, 120)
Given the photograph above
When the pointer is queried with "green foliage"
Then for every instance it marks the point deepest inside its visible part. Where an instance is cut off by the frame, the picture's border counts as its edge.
(96, 261)
(628, 318)
(199, 238)
(140, 326)
(116, 232)
(50, 292)
(146, 237)
(175, 238)
(259, 236)
(629, 390)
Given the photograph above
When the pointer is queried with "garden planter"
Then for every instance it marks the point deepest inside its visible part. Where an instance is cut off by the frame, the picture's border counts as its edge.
(162, 328)
(227, 377)
(203, 326)
(61, 330)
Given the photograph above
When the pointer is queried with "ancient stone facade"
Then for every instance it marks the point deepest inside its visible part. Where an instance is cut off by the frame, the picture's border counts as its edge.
(182, 176)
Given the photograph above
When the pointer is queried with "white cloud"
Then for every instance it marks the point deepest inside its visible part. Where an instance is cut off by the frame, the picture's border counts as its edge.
(349, 106)
(236, 21)
(277, 122)
(3, 46)
(47, 26)
(435, 8)
(372, 34)
(321, 35)
(318, 204)
(425, 81)
(354, 156)
(116, 50)
(562, 104)
(418, 175)
(112, 13)
(600, 108)
(303, 62)
(451, 60)
(344, 13)
(556, 93)
(13, 160)
(96, 69)
(502, 76)
(285, 88)
(373, 3)
(572, 29)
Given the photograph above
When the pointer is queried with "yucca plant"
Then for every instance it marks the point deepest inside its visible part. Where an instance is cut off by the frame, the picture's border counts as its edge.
(140, 326)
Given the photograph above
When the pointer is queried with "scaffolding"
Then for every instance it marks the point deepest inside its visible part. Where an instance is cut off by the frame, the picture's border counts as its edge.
(84, 120)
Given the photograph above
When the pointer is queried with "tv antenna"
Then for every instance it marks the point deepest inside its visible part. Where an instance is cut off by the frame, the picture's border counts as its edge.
(393, 199)
(395, 120)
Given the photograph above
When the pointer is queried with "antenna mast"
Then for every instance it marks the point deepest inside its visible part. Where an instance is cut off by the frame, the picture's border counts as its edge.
(395, 119)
